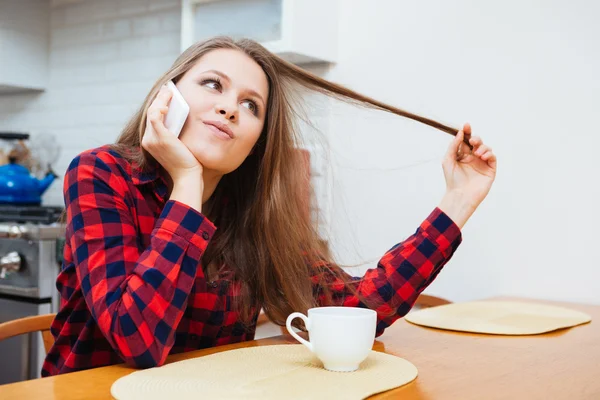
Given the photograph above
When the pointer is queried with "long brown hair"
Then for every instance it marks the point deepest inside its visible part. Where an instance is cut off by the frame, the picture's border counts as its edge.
(265, 234)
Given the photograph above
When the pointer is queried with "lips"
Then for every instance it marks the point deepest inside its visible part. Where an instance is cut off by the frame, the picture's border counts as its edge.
(220, 127)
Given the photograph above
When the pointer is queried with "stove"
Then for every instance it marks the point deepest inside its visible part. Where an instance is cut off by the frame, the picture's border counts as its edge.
(36, 214)
(31, 241)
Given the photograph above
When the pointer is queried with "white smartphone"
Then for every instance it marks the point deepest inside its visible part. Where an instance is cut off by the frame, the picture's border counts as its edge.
(178, 111)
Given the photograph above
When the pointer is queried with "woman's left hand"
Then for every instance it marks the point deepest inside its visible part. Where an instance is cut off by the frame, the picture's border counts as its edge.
(469, 172)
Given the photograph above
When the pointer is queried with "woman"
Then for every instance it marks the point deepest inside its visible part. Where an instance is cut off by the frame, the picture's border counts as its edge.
(146, 273)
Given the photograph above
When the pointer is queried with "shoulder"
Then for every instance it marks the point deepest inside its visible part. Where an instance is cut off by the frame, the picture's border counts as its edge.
(99, 165)
(102, 157)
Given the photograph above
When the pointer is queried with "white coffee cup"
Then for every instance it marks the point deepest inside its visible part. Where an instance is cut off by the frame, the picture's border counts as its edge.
(341, 337)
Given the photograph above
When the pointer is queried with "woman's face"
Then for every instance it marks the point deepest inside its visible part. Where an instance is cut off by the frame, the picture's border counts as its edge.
(227, 94)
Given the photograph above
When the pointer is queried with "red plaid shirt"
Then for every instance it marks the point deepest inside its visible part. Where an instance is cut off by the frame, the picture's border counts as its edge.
(132, 288)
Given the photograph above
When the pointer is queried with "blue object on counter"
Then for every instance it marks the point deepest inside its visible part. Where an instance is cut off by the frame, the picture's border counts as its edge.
(18, 186)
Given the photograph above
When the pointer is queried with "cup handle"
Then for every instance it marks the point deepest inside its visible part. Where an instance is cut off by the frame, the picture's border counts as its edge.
(288, 325)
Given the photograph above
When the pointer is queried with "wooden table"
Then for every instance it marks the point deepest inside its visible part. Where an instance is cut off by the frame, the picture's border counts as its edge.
(561, 365)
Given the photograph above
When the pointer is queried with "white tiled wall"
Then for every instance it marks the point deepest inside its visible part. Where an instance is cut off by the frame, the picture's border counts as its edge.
(24, 26)
(104, 56)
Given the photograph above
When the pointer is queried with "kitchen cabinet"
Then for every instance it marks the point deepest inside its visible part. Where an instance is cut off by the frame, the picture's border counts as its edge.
(24, 45)
(300, 31)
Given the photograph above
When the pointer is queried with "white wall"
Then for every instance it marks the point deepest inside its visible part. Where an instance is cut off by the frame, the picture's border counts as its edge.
(24, 26)
(526, 75)
(104, 57)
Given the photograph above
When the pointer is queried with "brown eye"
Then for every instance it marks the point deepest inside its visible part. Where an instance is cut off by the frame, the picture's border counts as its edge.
(251, 106)
(214, 84)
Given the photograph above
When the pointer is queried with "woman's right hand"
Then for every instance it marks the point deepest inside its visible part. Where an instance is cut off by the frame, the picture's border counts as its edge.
(164, 146)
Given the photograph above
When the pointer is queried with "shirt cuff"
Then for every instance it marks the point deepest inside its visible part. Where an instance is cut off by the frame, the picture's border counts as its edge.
(186, 222)
(440, 229)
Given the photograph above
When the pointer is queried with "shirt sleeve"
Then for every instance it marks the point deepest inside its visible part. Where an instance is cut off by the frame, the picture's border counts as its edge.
(136, 295)
(400, 276)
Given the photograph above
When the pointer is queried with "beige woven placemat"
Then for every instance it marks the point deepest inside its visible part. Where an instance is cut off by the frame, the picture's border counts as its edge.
(498, 317)
(280, 371)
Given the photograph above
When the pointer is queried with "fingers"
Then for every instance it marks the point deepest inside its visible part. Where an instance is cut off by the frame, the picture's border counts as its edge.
(158, 109)
(454, 146)
(156, 134)
(475, 141)
(159, 127)
(458, 150)
(467, 129)
(157, 113)
(490, 158)
(481, 150)
(466, 140)
(486, 154)
(161, 100)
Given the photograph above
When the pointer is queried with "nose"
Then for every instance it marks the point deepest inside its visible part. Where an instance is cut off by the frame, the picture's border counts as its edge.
(229, 112)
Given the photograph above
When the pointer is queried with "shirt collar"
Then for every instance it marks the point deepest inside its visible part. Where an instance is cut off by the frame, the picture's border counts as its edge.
(143, 177)
(153, 173)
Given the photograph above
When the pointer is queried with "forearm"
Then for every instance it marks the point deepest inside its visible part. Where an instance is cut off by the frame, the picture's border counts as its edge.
(138, 298)
(403, 272)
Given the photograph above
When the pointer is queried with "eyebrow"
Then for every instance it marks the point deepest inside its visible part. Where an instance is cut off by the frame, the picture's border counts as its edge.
(224, 76)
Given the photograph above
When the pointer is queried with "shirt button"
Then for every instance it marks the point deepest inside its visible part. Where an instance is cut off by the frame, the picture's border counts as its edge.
(193, 336)
(205, 235)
